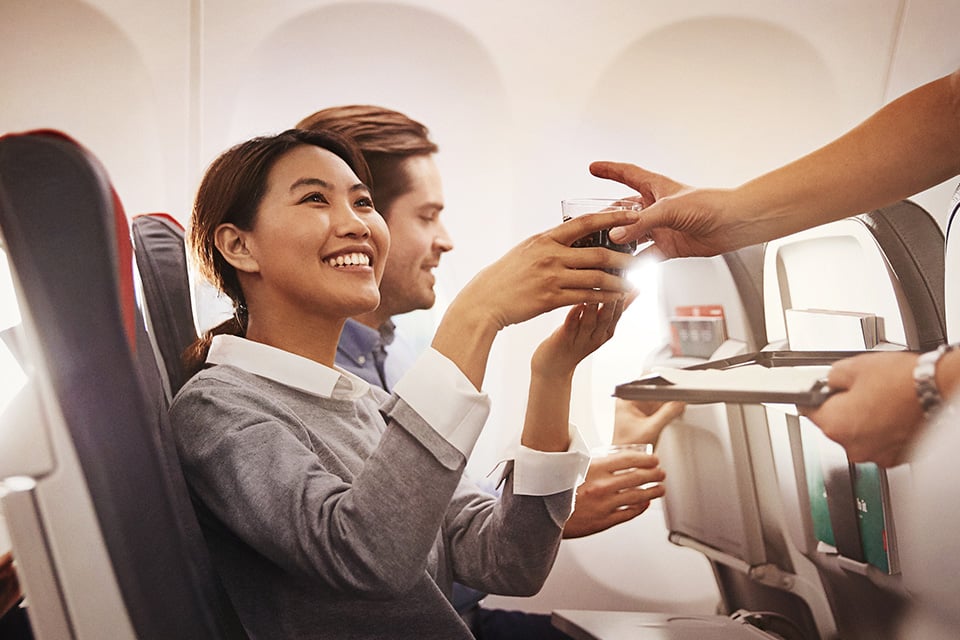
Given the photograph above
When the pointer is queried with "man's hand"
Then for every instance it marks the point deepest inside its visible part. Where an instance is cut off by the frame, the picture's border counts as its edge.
(617, 488)
(642, 422)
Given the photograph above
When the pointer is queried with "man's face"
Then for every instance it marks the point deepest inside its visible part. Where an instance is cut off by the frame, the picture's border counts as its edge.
(418, 239)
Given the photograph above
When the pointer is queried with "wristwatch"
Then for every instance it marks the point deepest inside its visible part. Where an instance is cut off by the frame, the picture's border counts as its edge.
(925, 381)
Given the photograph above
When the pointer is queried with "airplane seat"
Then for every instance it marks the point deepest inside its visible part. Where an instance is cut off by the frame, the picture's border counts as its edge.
(718, 457)
(871, 282)
(718, 461)
(166, 330)
(96, 519)
(930, 567)
(158, 241)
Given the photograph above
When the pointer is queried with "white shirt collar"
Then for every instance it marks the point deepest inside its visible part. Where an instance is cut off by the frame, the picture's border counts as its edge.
(286, 368)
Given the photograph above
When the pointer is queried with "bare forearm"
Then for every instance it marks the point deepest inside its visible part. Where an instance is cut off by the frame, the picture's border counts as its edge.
(907, 146)
(465, 336)
(546, 427)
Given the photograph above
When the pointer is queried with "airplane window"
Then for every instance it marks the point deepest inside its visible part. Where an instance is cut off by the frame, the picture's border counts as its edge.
(10, 370)
(9, 309)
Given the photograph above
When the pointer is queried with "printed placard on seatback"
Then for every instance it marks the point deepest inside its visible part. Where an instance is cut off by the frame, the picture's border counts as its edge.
(697, 330)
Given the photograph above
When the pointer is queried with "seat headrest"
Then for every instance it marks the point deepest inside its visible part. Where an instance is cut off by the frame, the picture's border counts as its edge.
(746, 267)
(68, 242)
(23, 146)
(162, 263)
(914, 244)
(888, 263)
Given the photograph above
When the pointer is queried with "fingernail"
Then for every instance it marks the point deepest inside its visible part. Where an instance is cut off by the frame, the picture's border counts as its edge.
(617, 233)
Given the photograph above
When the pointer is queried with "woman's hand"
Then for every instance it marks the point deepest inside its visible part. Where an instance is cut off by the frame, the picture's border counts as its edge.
(584, 330)
(540, 274)
(544, 272)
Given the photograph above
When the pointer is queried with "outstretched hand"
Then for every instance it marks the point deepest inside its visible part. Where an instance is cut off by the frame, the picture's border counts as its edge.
(540, 274)
(682, 221)
(585, 328)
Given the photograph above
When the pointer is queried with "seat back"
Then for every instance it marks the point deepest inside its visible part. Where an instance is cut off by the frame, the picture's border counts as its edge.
(888, 263)
(871, 282)
(718, 457)
(708, 310)
(90, 496)
(158, 241)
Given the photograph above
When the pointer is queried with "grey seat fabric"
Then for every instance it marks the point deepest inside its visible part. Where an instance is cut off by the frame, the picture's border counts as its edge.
(158, 241)
(913, 244)
(66, 237)
(746, 269)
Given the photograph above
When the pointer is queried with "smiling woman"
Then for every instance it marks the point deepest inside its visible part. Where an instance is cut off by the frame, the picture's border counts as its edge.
(312, 187)
(314, 255)
(296, 465)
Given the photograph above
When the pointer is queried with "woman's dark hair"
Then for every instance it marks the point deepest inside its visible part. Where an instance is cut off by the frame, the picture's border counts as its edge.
(231, 192)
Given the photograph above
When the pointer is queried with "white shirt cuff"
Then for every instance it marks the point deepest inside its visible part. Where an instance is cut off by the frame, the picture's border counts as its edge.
(543, 473)
(442, 395)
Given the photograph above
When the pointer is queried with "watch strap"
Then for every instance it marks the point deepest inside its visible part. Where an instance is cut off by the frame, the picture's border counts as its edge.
(925, 381)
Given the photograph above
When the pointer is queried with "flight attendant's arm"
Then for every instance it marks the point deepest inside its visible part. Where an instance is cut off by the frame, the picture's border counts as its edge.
(907, 146)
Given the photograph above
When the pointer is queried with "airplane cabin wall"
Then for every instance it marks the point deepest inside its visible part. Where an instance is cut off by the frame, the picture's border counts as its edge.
(520, 96)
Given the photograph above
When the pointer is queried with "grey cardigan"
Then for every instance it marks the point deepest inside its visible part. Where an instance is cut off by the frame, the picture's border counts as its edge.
(331, 518)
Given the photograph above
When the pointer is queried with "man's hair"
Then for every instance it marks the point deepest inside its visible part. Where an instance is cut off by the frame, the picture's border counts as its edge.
(385, 138)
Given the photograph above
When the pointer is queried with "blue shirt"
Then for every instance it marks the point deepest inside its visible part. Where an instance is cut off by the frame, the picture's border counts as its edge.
(359, 350)
(379, 357)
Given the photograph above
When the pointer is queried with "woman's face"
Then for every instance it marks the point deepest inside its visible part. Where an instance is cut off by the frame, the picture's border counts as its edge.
(318, 244)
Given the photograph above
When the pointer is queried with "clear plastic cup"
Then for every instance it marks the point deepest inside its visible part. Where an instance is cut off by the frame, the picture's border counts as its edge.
(575, 207)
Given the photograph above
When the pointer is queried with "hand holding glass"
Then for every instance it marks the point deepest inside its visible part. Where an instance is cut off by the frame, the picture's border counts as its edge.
(580, 206)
